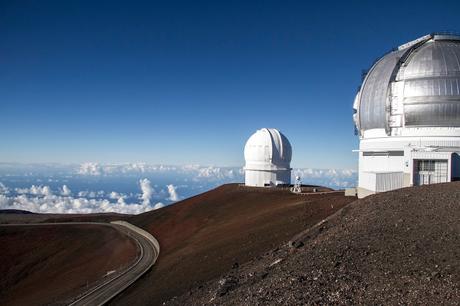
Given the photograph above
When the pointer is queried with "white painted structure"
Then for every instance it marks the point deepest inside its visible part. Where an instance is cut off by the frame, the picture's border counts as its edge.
(407, 114)
(297, 188)
(268, 156)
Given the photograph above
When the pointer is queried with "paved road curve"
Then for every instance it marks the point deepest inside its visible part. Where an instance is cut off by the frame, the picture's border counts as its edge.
(117, 282)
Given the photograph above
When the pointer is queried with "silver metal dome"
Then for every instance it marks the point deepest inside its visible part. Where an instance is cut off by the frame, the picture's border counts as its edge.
(417, 85)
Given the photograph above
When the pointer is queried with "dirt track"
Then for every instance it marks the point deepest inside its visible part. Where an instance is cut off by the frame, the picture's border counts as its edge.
(400, 247)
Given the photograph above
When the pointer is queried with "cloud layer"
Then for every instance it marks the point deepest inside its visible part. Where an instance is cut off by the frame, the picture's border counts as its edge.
(335, 178)
(41, 199)
(45, 188)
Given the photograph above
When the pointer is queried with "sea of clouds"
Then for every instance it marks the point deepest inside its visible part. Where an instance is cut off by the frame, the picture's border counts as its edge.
(43, 199)
(130, 188)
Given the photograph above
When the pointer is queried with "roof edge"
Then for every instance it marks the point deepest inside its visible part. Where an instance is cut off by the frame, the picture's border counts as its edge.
(415, 41)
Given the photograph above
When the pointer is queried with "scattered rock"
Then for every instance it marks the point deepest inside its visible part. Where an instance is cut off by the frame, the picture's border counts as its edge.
(227, 284)
(296, 244)
(276, 262)
(361, 257)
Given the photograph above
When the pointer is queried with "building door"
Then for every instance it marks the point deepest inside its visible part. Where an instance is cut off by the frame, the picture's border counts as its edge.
(428, 171)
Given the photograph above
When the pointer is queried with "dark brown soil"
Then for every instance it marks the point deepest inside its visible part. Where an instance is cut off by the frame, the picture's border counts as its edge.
(48, 264)
(394, 248)
(22, 217)
(204, 236)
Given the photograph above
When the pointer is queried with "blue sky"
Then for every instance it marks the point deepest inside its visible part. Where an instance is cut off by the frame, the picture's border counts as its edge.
(180, 82)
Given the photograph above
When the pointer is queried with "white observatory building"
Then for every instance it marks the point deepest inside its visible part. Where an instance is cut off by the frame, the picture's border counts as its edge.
(407, 114)
(268, 156)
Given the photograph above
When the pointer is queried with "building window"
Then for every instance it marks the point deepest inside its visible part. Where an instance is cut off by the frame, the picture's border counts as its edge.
(384, 153)
(425, 165)
(430, 171)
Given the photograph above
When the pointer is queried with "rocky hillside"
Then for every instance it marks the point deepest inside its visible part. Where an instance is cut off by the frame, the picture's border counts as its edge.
(400, 247)
(204, 236)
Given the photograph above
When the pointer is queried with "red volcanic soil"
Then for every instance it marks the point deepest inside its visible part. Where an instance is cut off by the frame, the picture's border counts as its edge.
(208, 234)
(394, 248)
(21, 217)
(48, 264)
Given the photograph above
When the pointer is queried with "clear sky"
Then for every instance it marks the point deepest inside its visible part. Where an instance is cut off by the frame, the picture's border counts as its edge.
(179, 82)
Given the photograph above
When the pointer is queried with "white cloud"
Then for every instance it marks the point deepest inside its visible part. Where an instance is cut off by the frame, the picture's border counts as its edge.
(115, 195)
(35, 190)
(4, 200)
(4, 189)
(22, 190)
(216, 173)
(40, 199)
(335, 178)
(121, 201)
(66, 191)
(90, 169)
(147, 190)
(95, 169)
(195, 171)
(91, 194)
(173, 196)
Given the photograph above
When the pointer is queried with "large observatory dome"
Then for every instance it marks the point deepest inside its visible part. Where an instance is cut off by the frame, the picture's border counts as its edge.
(407, 112)
(268, 155)
(417, 85)
(269, 149)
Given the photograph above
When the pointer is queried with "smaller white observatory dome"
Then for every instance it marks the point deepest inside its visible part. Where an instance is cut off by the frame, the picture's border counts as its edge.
(268, 156)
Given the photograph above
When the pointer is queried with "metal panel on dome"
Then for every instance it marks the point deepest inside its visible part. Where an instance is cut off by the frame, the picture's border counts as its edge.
(434, 113)
(432, 85)
(436, 58)
(374, 93)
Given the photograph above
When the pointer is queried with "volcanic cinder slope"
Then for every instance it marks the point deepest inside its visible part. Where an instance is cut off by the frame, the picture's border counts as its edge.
(23, 217)
(206, 235)
(399, 247)
(200, 237)
(48, 264)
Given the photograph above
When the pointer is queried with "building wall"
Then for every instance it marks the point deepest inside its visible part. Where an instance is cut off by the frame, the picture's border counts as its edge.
(261, 178)
(388, 181)
(384, 163)
(370, 165)
(381, 181)
(396, 154)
